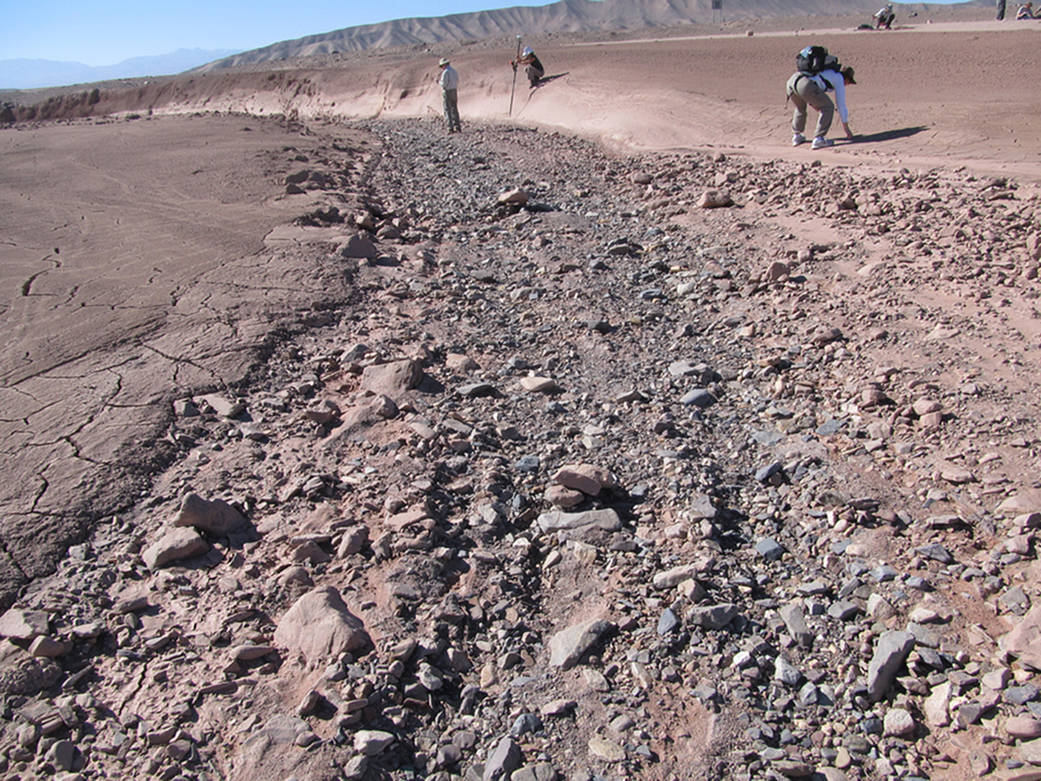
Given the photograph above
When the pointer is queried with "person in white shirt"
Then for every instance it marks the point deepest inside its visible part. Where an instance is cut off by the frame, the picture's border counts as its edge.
(449, 82)
(804, 89)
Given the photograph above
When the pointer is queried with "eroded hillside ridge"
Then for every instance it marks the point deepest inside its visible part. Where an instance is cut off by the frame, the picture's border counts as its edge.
(609, 471)
(566, 16)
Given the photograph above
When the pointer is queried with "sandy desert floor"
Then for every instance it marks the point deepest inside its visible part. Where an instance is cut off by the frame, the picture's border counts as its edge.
(173, 240)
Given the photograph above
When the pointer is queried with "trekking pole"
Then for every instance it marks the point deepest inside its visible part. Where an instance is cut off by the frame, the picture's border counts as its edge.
(514, 88)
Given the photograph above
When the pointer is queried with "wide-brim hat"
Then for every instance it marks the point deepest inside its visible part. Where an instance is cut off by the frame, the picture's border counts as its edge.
(443, 61)
(847, 74)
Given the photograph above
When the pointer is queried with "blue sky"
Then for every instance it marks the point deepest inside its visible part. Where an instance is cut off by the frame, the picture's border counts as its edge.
(105, 32)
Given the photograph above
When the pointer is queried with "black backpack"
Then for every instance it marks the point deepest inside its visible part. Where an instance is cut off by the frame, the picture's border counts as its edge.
(813, 59)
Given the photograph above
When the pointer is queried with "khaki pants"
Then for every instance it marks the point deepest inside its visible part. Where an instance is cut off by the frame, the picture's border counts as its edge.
(451, 101)
(803, 91)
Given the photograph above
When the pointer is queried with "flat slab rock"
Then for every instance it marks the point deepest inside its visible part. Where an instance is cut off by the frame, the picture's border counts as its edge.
(568, 646)
(557, 520)
(891, 651)
(24, 624)
(587, 478)
(320, 626)
(1024, 641)
(175, 545)
(215, 516)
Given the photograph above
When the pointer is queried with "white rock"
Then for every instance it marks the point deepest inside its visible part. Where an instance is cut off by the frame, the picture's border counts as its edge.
(898, 723)
(372, 741)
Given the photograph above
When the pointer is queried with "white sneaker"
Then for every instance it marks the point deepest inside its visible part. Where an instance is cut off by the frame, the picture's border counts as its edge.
(798, 138)
(820, 142)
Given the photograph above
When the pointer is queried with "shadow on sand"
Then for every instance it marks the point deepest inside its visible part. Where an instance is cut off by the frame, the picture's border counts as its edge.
(547, 79)
(887, 135)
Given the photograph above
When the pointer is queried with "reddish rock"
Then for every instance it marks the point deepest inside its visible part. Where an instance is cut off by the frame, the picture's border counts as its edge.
(215, 517)
(1024, 641)
(175, 545)
(516, 197)
(320, 626)
(715, 199)
(587, 478)
(392, 379)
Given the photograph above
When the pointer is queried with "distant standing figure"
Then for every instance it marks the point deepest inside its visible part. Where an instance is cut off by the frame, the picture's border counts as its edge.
(533, 69)
(1026, 11)
(1001, 10)
(884, 18)
(449, 81)
(805, 89)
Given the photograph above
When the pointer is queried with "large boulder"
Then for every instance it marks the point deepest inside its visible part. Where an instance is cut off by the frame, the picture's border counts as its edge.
(320, 626)
(175, 545)
(360, 246)
(392, 379)
(216, 517)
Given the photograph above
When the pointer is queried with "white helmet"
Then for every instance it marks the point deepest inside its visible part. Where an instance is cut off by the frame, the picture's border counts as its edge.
(527, 50)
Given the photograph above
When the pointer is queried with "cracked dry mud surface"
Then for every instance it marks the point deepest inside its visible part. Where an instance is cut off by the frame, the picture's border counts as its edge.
(610, 485)
(152, 284)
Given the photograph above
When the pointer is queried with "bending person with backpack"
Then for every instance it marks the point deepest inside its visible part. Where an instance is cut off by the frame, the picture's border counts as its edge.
(818, 73)
(884, 18)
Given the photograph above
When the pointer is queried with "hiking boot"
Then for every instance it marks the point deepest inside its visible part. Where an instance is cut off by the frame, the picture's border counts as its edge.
(820, 142)
(798, 138)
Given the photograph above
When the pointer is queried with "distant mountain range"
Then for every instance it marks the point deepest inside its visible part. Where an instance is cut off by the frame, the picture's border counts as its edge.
(566, 16)
(30, 74)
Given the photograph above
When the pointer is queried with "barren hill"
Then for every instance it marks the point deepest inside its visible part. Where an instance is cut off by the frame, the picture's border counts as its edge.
(566, 16)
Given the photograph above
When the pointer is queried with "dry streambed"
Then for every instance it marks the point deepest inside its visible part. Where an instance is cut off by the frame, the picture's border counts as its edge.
(589, 481)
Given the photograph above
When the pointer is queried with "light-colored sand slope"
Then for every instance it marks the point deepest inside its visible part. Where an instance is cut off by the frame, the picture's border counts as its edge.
(951, 94)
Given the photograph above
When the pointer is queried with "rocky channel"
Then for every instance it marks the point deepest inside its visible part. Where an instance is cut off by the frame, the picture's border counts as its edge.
(613, 466)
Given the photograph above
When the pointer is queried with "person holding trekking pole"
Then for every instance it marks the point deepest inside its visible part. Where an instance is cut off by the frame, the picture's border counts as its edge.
(533, 68)
(449, 83)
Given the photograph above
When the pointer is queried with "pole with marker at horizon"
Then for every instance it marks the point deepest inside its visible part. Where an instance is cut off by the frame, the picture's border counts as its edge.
(514, 88)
